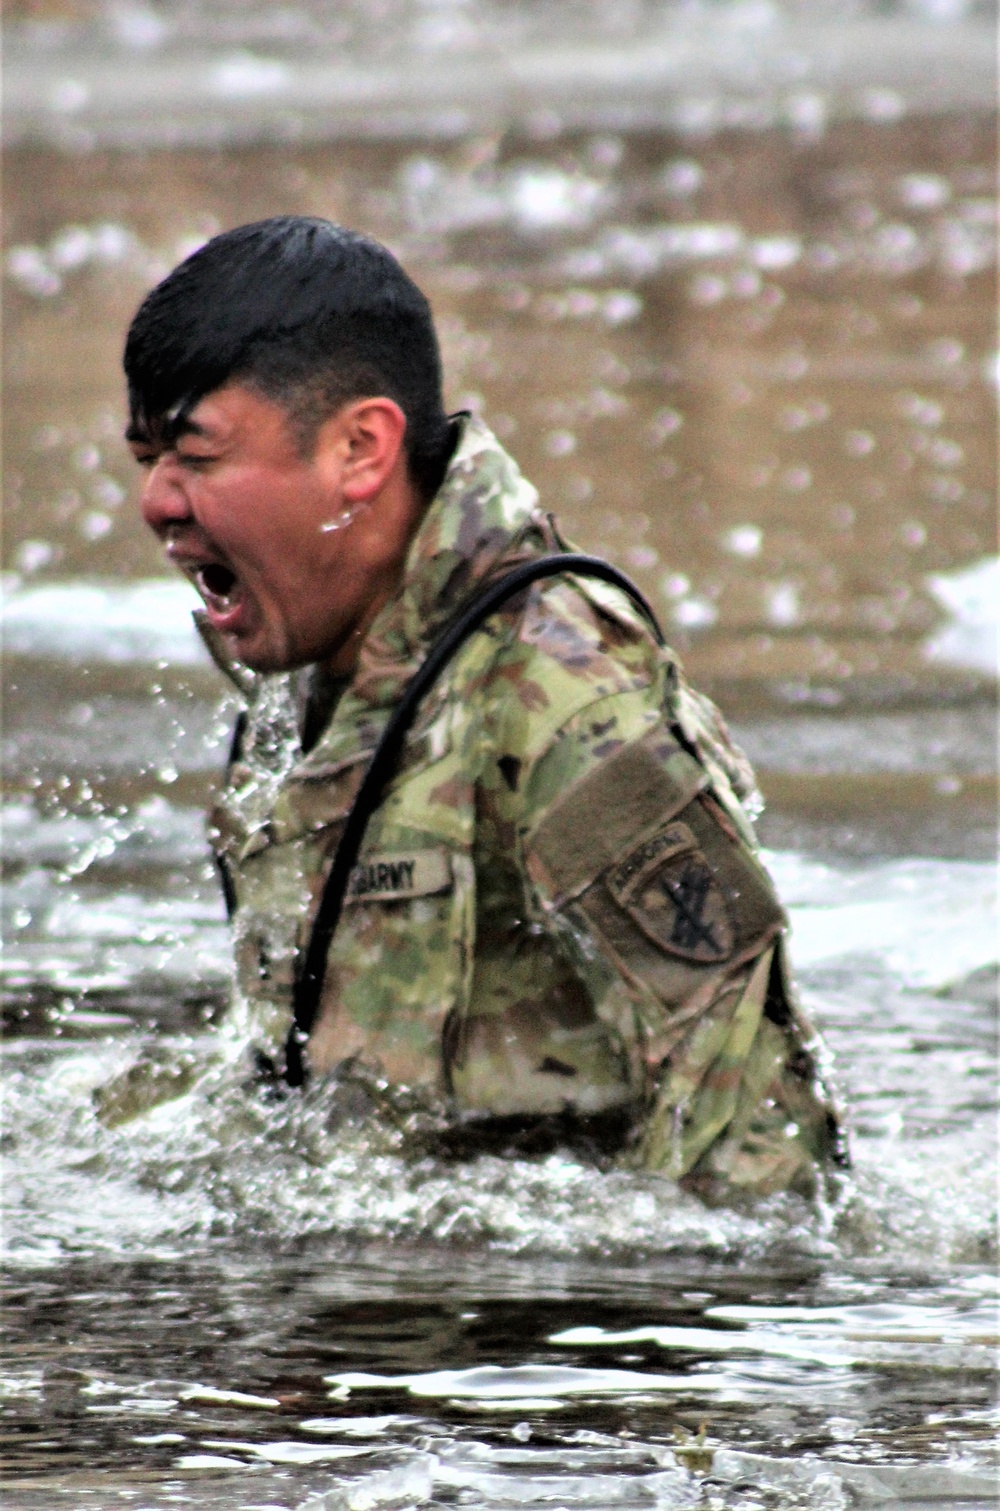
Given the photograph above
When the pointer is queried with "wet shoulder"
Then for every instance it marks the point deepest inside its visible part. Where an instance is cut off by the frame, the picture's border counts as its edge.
(570, 644)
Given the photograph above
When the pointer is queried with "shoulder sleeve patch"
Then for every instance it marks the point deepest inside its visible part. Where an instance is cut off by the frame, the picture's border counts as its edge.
(669, 889)
(637, 856)
(604, 815)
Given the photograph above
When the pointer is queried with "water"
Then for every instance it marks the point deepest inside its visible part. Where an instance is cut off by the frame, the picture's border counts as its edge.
(743, 341)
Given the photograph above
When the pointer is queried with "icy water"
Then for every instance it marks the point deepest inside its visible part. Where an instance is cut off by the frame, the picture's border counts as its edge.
(753, 363)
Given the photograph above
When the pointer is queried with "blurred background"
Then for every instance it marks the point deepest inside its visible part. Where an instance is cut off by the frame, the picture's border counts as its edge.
(720, 273)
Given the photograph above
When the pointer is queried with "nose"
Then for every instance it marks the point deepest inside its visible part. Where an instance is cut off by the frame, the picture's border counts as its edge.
(164, 502)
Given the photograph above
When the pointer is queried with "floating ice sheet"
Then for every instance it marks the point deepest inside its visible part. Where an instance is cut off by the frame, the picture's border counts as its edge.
(147, 620)
(930, 921)
(972, 598)
(525, 1381)
(702, 1340)
(842, 1337)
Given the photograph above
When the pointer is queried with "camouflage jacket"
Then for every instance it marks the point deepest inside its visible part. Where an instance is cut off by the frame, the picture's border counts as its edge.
(558, 907)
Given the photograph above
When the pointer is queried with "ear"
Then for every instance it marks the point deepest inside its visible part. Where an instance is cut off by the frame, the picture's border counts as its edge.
(364, 444)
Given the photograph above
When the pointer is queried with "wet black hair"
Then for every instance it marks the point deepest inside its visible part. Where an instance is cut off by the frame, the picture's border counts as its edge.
(304, 312)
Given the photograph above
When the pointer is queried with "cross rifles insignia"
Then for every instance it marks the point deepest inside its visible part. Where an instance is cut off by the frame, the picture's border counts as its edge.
(668, 888)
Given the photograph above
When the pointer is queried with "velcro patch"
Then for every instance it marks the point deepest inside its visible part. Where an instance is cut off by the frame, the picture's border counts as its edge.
(599, 819)
(392, 877)
(667, 886)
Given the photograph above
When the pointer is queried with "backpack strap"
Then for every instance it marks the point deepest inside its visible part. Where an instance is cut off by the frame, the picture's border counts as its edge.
(308, 988)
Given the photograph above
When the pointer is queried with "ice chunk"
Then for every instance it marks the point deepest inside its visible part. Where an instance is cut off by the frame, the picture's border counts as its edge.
(971, 596)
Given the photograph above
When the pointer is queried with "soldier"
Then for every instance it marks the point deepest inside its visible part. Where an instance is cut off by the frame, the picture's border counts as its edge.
(550, 922)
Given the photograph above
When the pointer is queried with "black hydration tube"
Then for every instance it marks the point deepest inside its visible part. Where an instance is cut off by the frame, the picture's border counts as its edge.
(309, 981)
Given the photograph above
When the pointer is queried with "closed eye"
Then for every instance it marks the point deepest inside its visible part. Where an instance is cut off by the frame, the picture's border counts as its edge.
(193, 460)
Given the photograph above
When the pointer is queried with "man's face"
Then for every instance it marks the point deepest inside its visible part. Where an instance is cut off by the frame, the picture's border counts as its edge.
(267, 535)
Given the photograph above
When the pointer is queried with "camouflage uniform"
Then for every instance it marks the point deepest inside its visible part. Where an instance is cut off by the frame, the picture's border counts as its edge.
(558, 908)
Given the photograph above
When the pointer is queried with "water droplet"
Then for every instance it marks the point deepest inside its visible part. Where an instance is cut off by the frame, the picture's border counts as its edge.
(86, 458)
(620, 306)
(72, 248)
(921, 411)
(138, 26)
(560, 443)
(695, 614)
(682, 177)
(782, 604)
(743, 540)
(923, 191)
(806, 112)
(675, 585)
(606, 151)
(882, 105)
(946, 490)
(243, 76)
(800, 416)
(946, 351)
(95, 524)
(665, 422)
(107, 493)
(339, 522)
(746, 284)
(707, 289)
(68, 96)
(945, 453)
(793, 365)
(772, 253)
(32, 555)
(579, 489)
(29, 267)
(547, 199)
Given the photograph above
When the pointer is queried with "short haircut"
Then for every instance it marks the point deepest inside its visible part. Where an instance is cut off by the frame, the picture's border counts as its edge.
(306, 313)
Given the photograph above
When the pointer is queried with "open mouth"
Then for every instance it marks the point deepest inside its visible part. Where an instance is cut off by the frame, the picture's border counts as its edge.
(216, 582)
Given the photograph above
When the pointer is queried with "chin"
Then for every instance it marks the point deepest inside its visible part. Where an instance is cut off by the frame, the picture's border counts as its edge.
(267, 659)
(266, 664)
(256, 658)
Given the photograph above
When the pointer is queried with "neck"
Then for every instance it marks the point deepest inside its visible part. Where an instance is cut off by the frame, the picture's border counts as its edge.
(383, 544)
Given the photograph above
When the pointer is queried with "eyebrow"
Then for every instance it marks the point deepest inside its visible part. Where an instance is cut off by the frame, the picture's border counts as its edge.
(140, 435)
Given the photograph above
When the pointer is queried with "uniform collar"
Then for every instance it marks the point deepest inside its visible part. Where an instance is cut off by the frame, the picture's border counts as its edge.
(481, 509)
(484, 512)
